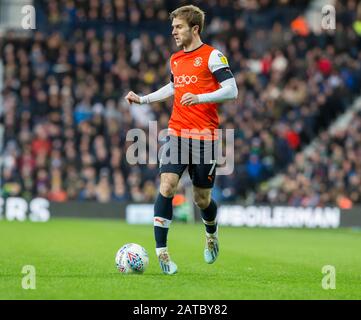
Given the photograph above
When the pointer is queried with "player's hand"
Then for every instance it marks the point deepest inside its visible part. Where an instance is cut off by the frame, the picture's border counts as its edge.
(131, 97)
(189, 99)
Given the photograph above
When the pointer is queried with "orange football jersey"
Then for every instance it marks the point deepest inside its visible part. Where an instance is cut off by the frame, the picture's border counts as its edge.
(193, 72)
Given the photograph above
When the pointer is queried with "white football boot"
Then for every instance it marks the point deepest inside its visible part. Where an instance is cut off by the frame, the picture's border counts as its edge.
(212, 247)
(166, 264)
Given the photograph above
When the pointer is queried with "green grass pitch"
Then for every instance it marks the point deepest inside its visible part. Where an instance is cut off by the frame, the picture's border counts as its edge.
(74, 259)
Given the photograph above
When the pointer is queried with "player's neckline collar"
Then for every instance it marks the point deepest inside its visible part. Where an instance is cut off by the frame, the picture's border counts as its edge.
(193, 49)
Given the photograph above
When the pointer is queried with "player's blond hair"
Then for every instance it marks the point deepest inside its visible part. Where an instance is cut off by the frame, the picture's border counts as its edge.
(193, 15)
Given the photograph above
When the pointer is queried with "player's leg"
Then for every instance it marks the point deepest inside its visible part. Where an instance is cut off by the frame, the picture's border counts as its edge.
(203, 176)
(163, 214)
(163, 208)
(170, 174)
(208, 207)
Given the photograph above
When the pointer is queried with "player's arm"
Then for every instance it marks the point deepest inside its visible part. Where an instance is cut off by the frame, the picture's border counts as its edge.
(228, 91)
(218, 65)
(159, 95)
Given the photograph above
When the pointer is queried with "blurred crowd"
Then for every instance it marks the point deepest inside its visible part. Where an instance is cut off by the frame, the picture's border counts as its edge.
(66, 119)
(330, 174)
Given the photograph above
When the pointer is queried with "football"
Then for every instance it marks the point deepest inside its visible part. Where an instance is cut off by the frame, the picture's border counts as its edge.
(131, 258)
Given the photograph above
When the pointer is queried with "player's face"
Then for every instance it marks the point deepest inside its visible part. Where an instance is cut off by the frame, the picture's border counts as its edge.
(182, 33)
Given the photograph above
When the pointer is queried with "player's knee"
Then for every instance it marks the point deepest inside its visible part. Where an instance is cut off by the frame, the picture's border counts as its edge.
(202, 200)
(168, 184)
(168, 189)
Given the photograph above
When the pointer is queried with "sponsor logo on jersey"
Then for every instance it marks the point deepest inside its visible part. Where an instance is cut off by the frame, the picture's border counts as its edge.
(182, 80)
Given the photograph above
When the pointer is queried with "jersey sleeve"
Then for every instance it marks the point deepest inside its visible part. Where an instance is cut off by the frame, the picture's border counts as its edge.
(218, 65)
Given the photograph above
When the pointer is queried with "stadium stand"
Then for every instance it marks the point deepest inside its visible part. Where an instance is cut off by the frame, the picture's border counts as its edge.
(66, 120)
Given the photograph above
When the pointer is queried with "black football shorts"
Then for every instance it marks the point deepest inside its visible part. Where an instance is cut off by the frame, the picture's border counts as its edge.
(198, 155)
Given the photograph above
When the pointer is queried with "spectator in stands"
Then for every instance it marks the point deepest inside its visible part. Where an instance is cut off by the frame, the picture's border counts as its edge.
(66, 122)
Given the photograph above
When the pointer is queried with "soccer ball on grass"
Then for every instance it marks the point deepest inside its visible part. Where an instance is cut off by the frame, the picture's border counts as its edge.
(131, 258)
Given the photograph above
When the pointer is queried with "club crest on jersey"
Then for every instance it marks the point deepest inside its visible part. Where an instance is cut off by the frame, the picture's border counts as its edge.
(197, 61)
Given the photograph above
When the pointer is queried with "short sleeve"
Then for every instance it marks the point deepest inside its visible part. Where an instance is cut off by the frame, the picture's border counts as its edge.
(218, 65)
(217, 61)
